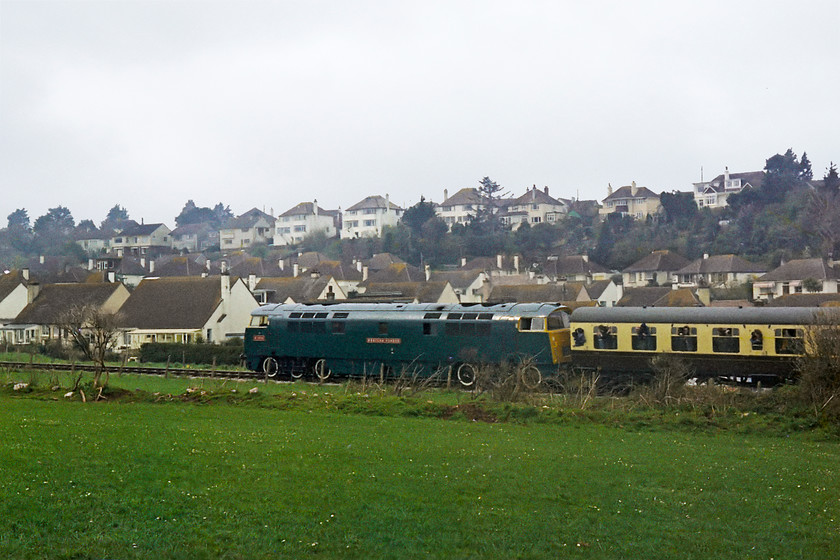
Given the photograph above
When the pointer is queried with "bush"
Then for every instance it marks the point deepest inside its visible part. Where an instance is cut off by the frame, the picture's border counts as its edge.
(226, 354)
(819, 369)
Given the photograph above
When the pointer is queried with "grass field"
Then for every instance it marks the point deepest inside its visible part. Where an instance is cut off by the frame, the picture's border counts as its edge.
(133, 479)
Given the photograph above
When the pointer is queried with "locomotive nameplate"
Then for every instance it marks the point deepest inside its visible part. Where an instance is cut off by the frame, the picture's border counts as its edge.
(258, 338)
(384, 341)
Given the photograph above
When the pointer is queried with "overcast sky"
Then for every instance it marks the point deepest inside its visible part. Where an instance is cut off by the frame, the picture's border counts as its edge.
(147, 104)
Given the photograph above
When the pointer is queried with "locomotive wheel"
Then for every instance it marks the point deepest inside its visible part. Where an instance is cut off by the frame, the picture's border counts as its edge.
(466, 374)
(321, 370)
(270, 367)
(296, 373)
(531, 376)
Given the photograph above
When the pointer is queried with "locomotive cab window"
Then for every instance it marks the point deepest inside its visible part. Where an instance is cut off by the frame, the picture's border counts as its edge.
(789, 341)
(259, 321)
(605, 337)
(643, 337)
(684, 339)
(532, 324)
(725, 339)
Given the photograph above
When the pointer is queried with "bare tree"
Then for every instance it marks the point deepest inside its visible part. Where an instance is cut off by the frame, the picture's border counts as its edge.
(93, 331)
(819, 368)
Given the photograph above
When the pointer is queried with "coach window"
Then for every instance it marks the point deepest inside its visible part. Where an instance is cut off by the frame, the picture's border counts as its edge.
(579, 337)
(789, 341)
(757, 340)
(725, 339)
(604, 337)
(684, 339)
(643, 337)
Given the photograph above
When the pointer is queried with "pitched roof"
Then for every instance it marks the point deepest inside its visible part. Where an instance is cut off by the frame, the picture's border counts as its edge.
(596, 289)
(307, 208)
(805, 300)
(752, 178)
(800, 269)
(141, 230)
(173, 303)
(10, 281)
(536, 196)
(375, 201)
(422, 292)
(459, 279)
(191, 229)
(248, 219)
(641, 297)
(627, 192)
(720, 263)
(527, 293)
(301, 289)
(338, 270)
(396, 272)
(574, 265)
(683, 297)
(258, 267)
(55, 299)
(664, 261)
(464, 197)
(184, 265)
(381, 261)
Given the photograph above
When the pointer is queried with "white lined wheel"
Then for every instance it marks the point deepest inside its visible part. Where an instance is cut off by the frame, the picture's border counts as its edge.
(270, 366)
(531, 376)
(466, 374)
(321, 370)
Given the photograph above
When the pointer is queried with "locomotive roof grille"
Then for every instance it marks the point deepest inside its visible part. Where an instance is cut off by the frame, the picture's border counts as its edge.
(416, 311)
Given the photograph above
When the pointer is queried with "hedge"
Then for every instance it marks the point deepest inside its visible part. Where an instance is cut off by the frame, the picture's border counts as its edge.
(227, 354)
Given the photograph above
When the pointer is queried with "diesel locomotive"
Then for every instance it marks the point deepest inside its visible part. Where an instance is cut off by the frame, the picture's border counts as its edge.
(356, 339)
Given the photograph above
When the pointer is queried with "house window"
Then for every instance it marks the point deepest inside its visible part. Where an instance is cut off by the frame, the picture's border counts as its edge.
(536, 220)
(370, 223)
(300, 228)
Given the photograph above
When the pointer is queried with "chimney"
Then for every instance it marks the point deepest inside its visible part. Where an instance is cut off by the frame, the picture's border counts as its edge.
(25, 273)
(364, 273)
(585, 258)
(428, 270)
(516, 262)
(534, 193)
(225, 276)
(41, 259)
(223, 267)
(151, 266)
(281, 264)
(726, 176)
(545, 189)
(143, 262)
(359, 265)
(633, 189)
(463, 261)
(91, 264)
(119, 252)
(295, 270)
(252, 281)
(705, 256)
(445, 194)
(499, 262)
(315, 207)
(704, 295)
(32, 291)
(112, 276)
(609, 189)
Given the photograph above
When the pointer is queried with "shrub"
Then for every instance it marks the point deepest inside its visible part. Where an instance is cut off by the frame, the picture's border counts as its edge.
(819, 368)
(227, 354)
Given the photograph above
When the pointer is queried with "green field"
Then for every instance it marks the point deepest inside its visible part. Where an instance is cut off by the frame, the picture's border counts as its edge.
(260, 479)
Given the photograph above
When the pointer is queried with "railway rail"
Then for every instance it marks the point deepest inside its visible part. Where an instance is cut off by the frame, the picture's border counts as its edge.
(141, 370)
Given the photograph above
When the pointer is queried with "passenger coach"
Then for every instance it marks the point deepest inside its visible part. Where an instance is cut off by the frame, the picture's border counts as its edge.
(355, 339)
(759, 343)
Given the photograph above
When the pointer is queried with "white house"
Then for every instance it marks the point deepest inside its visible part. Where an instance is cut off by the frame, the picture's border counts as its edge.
(305, 218)
(461, 207)
(142, 240)
(714, 193)
(533, 207)
(367, 217)
(250, 228)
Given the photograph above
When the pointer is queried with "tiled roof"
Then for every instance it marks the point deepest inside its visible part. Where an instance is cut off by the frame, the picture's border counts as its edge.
(141, 230)
(682, 297)
(248, 219)
(186, 265)
(306, 209)
(423, 292)
(720, 264)
(562, 291)
(10, 281)
(338, 270)
(627, 192)
(375, 201)
(381, 261)
(800, 269)
(397, 272)
(805, 300)
(464, 197)
(459, 279)
(173, 303)
(301, 289)
(664, 261)
(641, 297)
(573, 265)
(536, 196)
(55, 299)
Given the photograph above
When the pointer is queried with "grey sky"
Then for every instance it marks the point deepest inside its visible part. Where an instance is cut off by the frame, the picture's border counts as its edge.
(147, 104)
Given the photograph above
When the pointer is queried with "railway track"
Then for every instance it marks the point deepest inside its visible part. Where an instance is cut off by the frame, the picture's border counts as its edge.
(140, 370)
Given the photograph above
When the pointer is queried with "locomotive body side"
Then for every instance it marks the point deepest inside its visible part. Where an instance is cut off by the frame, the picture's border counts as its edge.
(370, 339)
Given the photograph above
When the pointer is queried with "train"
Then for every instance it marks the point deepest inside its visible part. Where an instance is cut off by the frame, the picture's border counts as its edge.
(541, 339)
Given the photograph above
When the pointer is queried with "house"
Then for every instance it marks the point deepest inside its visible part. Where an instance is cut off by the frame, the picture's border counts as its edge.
(127, 270)
(312, 288)
(714, 193)
(497, 267)
(631, 200)
(659, 297)
(94, 242)
(575, 268)
(468, 284)
(146, 240)
(461, 207)
(796, 277)
(606, 293)
(305, 218)
(16, 292)
(247, 230)
(408, 292)
(533, 207)
(39, 322)
(191, 264)
(723, 271)
(656, 269)
(346, 276)
(367, 217)
(187, 309)
(529, 293)
(194, 238)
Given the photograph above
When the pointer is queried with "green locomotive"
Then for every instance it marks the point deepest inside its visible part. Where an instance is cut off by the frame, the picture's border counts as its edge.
(357, 339)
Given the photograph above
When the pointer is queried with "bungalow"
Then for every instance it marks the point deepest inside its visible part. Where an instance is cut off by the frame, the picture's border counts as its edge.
(301, 289)
(16, 292)
(797, 277)
(408, 292)
(567, 292)
(187, 309)
(468, 284)
(40, 321)
(718, 271)
(656, 269)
